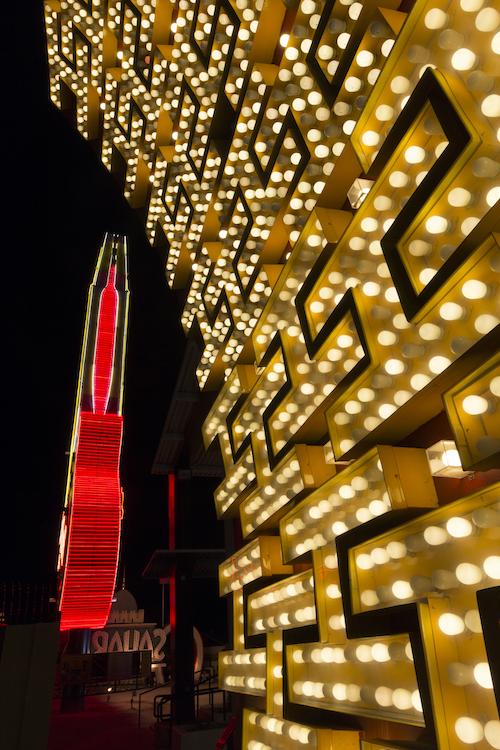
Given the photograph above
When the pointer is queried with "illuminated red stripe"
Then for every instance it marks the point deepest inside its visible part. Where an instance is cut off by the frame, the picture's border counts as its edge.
(94, 525)
(105, 344)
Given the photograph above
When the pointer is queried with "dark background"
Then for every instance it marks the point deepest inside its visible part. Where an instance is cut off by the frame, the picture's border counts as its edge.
(60, 202)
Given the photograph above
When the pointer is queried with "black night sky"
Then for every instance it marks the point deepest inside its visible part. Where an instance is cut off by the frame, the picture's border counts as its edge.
(61, 202)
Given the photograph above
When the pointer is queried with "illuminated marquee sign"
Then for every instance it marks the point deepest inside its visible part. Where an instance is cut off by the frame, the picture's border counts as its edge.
(90, 529)
(126, 631)
(323, 179)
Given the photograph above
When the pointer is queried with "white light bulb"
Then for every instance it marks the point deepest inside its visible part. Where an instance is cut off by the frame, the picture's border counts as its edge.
(415, 154)
(364, 562)
(492, 733)
(474, 289)
(383, 696)
(459, 527)
(380, 652)
(491, 567)
(435, 18)
(451, 311)
(473, 621)
(482, 675)
(436, 224)
(402, 590)
(490, 106)
(401, 698)
(463, 59)
(451, 624)
(396, 550)
(474, 405)
(468, 730)
(468, 574)
(495, 386)
(435, 535)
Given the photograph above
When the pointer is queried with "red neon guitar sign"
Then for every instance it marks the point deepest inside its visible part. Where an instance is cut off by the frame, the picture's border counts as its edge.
(92, 520)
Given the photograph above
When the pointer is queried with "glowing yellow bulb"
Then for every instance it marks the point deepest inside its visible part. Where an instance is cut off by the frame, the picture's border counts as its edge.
(436, 224)
(459, 527)
(468, 574)
(490, 106)
(435, 18)
(402, 590)
(474, 405)
(370, 138)
(491, 567)
(414, 154)
(463, 59)
(482, 675)
(451, 624)
(469, 730)
(492, 733)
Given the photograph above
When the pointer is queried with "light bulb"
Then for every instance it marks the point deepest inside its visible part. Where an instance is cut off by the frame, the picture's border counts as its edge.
(370, 138)
(490, 106)
(459, 197)
(482, 675)
(435, 18)
(394, 366)
(495, 386)
(463, 59)
(468, 730)
(364, 653)
(474, 405)
(474, 289)
(396, 550)
(383, 696)
(492, 733)
(438, 363)
(402, 590)
(380, 652)
(451, 311)
(451, 624)
(491, 567)
(364, 562)
(436, 224)
(459, 674)
(364, 58)
(401, 698)
(473, 621)
(414, 154)
(459, 527)
(468, 574)
(435, 535)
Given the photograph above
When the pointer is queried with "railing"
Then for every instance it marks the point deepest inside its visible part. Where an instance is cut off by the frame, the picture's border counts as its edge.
(100, 686)
(206, 677)
(226, 734)
(144, 692)
(27, 603)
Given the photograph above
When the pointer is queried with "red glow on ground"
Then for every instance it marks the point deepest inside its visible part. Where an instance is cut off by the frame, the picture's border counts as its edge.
(102, 726)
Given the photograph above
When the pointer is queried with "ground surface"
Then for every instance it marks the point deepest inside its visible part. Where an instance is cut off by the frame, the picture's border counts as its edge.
(104, 725)
(112, 723)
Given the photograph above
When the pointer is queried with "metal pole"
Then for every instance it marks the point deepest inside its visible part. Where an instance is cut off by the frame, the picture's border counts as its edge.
(163, 605)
